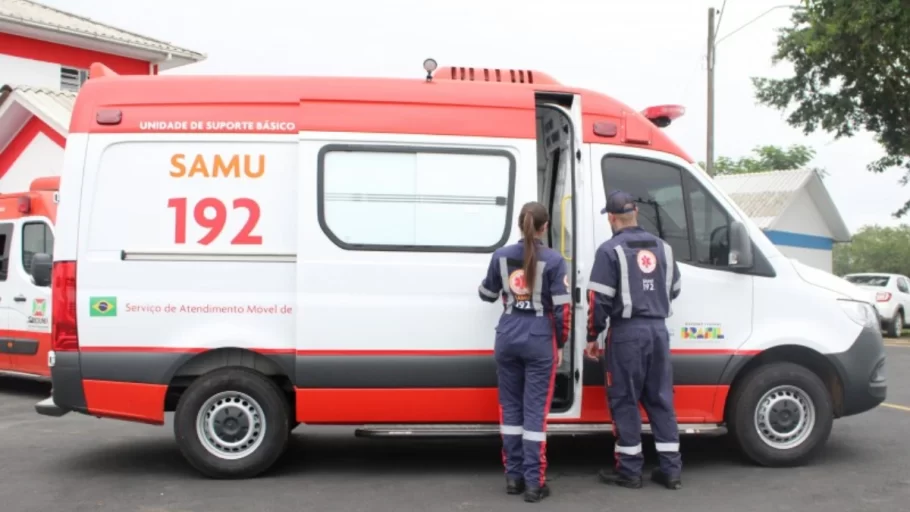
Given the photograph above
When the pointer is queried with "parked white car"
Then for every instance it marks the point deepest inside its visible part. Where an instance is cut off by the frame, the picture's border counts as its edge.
(892, 298)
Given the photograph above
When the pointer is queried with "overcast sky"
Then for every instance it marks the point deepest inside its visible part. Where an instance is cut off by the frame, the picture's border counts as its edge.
(643, 52)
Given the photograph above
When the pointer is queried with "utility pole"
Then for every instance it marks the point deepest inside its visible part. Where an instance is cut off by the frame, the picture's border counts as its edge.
(709, 160)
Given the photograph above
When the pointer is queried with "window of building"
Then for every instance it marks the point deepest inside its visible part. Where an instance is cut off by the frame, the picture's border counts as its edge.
(71, 79)
(673, 206)
(658, 190)
(36, 238)
(416, 198)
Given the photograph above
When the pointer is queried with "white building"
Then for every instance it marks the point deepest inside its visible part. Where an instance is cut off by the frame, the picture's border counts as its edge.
(795, 211)
(45, 55)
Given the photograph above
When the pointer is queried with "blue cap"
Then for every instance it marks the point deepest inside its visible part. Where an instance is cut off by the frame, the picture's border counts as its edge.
(619, 202)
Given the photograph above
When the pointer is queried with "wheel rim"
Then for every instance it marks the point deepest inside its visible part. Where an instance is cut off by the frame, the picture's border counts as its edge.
(230, 425)
(784, 417)
(899, 324)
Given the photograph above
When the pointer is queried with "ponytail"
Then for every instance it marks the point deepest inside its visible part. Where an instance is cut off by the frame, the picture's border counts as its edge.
(530, 262)
(531, 219)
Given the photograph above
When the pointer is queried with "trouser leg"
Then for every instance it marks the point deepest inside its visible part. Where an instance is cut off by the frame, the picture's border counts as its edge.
(657, 399)
(624, 380)
(540, 376)
(511, 377)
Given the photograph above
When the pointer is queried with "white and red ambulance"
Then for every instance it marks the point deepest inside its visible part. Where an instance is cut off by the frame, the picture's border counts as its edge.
(255, 253)
(26, 229)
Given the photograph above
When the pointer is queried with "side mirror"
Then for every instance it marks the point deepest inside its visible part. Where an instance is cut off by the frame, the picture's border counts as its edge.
(42, 265)
(740, 246)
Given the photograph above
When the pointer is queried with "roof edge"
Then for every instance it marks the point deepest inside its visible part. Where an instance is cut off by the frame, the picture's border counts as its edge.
(187, 54)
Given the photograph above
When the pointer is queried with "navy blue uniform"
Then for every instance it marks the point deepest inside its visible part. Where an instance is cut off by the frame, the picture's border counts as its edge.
(533, 326)
(633, 281)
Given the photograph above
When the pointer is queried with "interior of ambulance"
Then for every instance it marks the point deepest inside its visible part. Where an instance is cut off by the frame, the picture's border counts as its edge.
(555, 187)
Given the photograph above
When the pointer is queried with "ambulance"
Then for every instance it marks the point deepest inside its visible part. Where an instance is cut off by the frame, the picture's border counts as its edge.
(26, 229)
(255, 253)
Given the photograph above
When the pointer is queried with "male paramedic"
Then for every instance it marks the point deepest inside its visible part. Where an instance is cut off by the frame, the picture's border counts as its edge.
(633, 281)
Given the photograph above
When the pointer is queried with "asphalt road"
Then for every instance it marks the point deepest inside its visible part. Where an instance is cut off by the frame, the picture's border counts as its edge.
(78, 463)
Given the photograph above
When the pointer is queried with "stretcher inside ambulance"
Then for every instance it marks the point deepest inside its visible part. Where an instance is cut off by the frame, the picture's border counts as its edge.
(307, 251)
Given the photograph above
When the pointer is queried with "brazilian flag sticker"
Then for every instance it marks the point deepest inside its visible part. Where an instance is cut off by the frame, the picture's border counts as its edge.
(103, 306)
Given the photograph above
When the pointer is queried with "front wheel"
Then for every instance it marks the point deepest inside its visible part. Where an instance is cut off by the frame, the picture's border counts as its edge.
(780, 415)
(232, 423)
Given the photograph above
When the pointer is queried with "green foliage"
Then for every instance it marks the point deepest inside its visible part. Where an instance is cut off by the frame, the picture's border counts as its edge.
(875, 249)
(851, 61)
(767, 158)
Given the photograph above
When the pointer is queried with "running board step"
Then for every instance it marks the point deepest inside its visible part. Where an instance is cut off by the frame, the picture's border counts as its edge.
(484, 430)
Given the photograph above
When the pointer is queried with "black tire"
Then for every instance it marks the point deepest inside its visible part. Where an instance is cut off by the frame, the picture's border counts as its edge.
(744, 402)
(895, 326)
(274, 412)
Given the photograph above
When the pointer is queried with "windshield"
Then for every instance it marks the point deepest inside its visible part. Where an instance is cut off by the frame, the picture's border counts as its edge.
(869, 280)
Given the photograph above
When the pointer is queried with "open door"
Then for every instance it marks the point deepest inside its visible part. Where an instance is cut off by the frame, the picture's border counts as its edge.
(559, 165)
(395, 232)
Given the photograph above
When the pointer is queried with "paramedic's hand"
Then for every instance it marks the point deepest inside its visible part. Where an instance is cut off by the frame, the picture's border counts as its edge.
(591, 350)
(559, 357)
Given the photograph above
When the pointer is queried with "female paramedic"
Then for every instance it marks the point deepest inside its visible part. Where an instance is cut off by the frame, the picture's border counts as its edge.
(532, 281)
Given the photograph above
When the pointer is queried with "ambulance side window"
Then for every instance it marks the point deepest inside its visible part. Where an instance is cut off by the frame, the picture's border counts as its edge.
(415, 199)
(659, 191)
(710, 226)
(36, 238)
(6, 232)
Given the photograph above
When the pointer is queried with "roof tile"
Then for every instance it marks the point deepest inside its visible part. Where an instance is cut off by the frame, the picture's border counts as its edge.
(27, 11)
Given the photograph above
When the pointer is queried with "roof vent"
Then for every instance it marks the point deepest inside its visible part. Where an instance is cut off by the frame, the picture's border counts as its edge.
(515, 76)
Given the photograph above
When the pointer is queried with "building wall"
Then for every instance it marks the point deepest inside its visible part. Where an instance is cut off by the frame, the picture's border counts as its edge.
(59, 55)
(42, 157)
(16, 70)
(36, 151)
(802, 216)
(802, 233)
(818, 258)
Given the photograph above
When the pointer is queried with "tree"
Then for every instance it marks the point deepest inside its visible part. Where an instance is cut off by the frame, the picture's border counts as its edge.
(767, 158)
(851, 61)
(875, 249)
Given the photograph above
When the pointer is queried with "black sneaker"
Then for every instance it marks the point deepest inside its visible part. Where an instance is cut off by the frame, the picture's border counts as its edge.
(515, 486)
(535, 494)
(661, 478)
(614, 478)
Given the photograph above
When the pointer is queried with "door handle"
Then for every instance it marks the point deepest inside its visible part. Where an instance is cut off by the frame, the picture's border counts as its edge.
(19, 298)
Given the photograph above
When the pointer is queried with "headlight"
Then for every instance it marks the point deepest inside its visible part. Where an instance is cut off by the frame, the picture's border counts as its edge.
(860, 312)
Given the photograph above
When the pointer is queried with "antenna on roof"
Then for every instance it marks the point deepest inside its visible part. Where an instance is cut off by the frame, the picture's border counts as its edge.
(429, 66)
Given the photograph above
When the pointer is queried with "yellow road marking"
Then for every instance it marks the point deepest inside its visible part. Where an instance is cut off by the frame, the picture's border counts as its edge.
(898, 407)
(901, 345)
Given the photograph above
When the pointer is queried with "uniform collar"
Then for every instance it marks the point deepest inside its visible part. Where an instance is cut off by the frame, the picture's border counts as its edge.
(628, 229)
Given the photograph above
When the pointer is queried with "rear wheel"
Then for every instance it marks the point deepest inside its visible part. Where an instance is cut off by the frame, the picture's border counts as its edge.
(896, 325)
(780, 414)
(232, 423)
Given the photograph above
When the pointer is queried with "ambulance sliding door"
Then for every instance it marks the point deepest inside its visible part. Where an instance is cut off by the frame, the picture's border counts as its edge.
(395, 233)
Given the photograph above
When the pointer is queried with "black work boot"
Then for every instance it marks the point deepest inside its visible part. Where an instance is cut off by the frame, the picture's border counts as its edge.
(615, 478)
(515, 486)
(660, 477)
(535, 494)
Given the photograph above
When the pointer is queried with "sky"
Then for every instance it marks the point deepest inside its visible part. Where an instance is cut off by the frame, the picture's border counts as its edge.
(643, 52)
